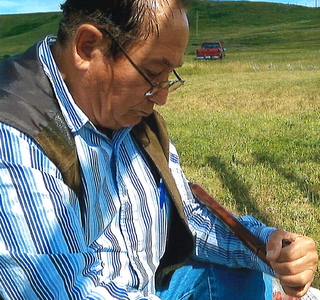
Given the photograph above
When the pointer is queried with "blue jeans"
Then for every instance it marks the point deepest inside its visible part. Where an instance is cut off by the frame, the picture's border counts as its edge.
(202, 281)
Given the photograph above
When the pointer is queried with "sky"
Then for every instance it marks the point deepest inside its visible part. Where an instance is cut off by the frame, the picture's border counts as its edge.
(30, 6)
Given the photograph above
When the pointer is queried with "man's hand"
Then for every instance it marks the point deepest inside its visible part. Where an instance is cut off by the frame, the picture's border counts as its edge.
(294, 259)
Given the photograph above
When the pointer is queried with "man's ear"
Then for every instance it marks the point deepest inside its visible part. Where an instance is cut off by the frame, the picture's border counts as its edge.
(87, 39)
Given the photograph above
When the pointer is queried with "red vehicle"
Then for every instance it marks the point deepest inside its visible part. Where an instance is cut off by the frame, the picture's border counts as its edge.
(210, 50)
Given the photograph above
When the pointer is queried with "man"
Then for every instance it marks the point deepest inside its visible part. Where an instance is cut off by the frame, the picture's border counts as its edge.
(93, 202)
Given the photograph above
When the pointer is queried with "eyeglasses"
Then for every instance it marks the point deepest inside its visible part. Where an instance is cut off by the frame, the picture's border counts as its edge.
(171, 85)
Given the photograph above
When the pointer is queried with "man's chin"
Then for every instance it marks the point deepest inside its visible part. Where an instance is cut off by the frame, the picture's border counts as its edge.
(129, 123)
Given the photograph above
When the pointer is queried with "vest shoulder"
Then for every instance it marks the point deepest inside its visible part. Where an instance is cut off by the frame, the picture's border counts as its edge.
(27, 99)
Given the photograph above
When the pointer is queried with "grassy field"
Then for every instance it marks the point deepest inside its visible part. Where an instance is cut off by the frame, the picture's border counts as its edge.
(248, 131)
(247, 126)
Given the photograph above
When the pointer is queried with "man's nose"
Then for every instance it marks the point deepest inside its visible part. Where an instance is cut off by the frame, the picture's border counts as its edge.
(160, 97)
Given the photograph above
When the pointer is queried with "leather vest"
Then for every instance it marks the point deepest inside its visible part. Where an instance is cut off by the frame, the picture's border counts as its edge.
(28, 103)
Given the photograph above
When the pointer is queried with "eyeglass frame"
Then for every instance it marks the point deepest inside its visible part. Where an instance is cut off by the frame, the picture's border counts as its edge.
(160, 85)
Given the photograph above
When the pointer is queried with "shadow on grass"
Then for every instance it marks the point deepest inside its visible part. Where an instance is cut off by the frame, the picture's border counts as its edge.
(307, 188)
(239, 189)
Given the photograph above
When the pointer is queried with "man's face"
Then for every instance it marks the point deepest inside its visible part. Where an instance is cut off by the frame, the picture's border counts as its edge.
(115, 90)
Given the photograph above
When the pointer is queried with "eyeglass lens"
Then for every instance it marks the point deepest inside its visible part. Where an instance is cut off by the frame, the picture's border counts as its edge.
(170, 85)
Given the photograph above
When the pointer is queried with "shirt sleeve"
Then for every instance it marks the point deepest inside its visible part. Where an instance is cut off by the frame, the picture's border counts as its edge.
(43, 250)
(214, 242)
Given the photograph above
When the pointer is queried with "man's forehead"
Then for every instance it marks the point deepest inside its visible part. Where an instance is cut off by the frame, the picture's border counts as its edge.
(165, 3)
(166, 7)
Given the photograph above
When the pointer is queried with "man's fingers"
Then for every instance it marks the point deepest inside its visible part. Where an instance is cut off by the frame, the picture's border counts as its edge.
(296, 285)
(297, 280)
(297, 247)
(274, 245)
(308, 262)
(302, 251)
(294, 262)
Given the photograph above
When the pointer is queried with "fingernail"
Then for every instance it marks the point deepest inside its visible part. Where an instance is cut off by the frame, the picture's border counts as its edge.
(270, 253)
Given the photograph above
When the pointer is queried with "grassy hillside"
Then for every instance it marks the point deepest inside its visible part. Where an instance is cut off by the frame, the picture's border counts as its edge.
(252, 24)
(240, 25)
(18, 32)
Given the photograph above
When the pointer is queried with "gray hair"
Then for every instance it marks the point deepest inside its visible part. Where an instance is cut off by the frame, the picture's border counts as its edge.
(127, 20)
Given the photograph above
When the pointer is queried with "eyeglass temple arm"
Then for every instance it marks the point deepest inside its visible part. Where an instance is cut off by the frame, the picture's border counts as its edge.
(132, 62)
(127, 56)
(177, 75)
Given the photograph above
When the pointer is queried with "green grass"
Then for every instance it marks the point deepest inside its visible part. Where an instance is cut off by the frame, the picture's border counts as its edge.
(249, 24)
(18, 32)
(247, 126)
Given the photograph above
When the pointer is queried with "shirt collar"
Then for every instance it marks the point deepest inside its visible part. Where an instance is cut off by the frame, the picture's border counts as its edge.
(72, 113)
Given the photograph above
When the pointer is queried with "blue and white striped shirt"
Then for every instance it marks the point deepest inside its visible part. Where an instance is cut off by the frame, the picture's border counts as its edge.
(46, 253)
